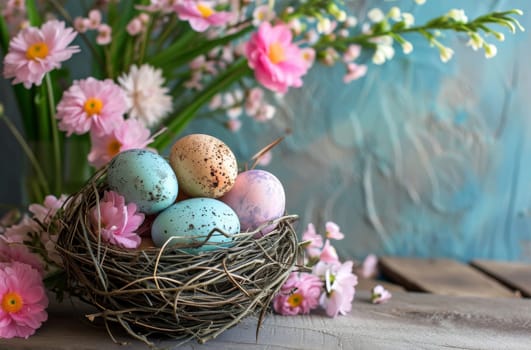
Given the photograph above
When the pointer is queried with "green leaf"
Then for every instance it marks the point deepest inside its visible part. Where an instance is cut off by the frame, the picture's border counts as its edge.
(34, 17)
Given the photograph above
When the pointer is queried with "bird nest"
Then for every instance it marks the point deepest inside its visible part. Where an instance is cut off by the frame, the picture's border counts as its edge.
(167, 291)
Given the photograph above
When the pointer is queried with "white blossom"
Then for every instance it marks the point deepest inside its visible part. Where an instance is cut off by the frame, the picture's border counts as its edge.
(490, 50)
(376, 15)
(458, 15)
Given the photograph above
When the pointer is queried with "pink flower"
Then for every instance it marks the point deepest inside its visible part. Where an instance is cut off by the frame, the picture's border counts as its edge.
(11, 252)
(354, 72)
(380, 295)
(94, 19)
(339, 292)
(328, 254)
(23, 300)
(299, 294)
(308, 54)
(81, 24)
(135, 26)
(104, 36)
(369, 267)
(277, 62)
(316, 241)
(253, 100)
(234, 124)
(332, 231)
(34, 52)
(201, 14)
(131, 133)
(91, 104)
(43, 213)
(22, 231)
(118, 221)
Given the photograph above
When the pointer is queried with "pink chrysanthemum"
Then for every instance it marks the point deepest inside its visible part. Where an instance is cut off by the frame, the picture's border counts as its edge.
(118, 221)
(23, 300)
(44, 212)
(34, 52)
(201, 14)
(130, 134)
(277, 62)
(91, 104)
(298, 295)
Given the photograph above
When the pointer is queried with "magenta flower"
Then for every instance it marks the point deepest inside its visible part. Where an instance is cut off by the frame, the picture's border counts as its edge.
(299, 294)
(131, 133)
(116, 221)
(91, 104)
(340, 285)
(380, 295)
(34, 52)
(23, 300)
(201, 14)
(314, 248)
(277, 62)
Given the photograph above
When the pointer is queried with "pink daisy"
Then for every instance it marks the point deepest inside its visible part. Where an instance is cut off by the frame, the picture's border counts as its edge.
(201, 14)
(130, 134)
(299, 294)
(91, 104)
(10, 252)
(277, 62)
(340, 285)
(118, 221)
(34, 52)
(23, 300)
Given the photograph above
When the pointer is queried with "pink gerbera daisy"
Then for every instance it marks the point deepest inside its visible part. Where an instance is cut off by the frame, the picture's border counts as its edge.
(277, 62)
(34, 52)
(201, 14)
(130, 134)
(91, 104)
(23, 300)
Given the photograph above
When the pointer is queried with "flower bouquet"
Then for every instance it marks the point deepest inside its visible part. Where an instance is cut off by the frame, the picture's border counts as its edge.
(154, 66)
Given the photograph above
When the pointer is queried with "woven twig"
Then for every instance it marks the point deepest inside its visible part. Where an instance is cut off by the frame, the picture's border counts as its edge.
(169, 291)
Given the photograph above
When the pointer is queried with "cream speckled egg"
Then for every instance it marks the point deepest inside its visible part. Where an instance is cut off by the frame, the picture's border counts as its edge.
(204, 165)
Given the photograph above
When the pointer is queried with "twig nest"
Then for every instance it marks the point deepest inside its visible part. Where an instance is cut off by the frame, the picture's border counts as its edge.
(169, 290)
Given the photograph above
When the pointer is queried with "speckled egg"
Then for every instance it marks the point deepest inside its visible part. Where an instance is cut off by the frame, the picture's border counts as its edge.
(257, 197)
(204, 165)
(144, 178)
(191, 221)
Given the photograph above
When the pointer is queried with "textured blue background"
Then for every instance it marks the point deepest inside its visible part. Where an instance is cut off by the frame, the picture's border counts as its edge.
(418, 158)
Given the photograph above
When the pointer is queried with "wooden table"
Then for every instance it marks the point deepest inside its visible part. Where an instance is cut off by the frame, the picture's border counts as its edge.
(410, 320)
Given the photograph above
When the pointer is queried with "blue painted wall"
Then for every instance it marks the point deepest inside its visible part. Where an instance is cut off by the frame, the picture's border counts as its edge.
(418, 158)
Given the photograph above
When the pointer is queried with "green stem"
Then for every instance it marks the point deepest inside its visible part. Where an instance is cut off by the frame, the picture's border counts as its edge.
(27, 150)
(55, 137)
(180, 121)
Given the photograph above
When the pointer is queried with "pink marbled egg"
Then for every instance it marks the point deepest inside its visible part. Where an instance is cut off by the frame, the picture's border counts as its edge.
(257, 197)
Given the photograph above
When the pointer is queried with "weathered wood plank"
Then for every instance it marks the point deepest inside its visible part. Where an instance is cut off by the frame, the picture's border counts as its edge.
(408, 321)
(515, 275)
(441, 276)
(369, 283)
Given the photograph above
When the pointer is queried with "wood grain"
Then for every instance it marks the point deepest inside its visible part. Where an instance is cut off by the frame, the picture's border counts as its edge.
(441, 276)
(407, 321)
(516, 276)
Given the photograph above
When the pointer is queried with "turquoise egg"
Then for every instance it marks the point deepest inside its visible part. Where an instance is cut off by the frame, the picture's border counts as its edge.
(144, 178)
(191, 221)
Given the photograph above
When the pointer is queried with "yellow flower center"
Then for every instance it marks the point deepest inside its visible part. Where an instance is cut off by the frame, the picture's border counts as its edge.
(37, 50)
(12, 302)
(276, 53)
(295, 299)
(205, 10)
(93, 106)
(113, 148)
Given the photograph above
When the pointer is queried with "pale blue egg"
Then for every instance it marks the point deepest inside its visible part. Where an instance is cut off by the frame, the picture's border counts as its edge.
(144, 178)
(191, 221)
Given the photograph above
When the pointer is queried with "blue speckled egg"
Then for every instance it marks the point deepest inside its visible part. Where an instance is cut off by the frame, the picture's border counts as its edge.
(144, 178)
(190, 222)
